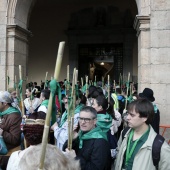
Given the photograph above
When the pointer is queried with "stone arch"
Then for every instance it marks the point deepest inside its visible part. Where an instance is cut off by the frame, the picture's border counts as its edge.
(18, 12)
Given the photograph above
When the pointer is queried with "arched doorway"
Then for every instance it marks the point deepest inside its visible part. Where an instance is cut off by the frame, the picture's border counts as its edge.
(80, 23)
(48, 23)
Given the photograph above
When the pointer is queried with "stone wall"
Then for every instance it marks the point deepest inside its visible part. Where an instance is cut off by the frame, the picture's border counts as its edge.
(3, 61)
(160, 55)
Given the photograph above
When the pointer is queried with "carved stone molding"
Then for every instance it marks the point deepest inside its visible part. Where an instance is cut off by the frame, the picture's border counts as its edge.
(18, 32)
(141, 23)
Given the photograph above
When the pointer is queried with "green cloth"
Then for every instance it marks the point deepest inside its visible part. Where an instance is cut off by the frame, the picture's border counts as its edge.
(20, 87)
(64, 116)
(83, 89)
(63, 119)
(155, 108)
(141, 141)
(104, 121)
(95, 133)
(45, 103)
(9, 111)
(53, 88)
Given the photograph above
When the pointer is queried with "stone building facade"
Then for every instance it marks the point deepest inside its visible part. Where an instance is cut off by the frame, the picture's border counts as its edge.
(153, 53)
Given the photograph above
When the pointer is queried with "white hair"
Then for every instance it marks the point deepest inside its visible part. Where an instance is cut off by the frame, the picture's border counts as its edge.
(54, 159)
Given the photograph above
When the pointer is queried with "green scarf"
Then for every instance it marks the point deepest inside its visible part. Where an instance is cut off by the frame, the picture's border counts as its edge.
(9, 111)
(95, 133)
(63, 119)
(55, 87)
(45, 103)
(104, 121)
(155, 108)
(64, 116)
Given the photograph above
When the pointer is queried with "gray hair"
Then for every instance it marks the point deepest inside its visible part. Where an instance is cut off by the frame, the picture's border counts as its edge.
(89, 109)
(5, 97)
(54, 159)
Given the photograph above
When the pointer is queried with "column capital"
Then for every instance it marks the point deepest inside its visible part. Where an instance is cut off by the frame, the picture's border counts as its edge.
(141, 23)
(18, 32)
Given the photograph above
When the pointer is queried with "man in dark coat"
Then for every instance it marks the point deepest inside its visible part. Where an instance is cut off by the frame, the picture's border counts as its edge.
(91, 147)
(148, 94)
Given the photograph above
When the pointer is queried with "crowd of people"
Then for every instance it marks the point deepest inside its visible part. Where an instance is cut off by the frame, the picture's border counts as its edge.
(112, 129)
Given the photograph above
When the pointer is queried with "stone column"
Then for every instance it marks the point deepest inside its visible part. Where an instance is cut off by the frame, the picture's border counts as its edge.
(142, 25)
(3, 21)
(17, 51)
(160, 55)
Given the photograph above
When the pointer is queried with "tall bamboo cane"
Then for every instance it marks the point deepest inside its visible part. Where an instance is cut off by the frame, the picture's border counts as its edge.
(87, 86)
(76, 76)
(49, 111)
(127, 91)
(45, 79)
(21, 98)
(22, 101)
(115, 86)
(71, 114)
(108, 79)
(7, 80)
(16, 88)
(81, 81)
(102, 82)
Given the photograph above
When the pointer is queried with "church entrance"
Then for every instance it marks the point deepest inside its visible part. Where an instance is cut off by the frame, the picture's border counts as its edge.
(100, 60)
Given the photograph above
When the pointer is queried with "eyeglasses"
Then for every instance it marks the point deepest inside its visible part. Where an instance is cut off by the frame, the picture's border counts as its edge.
(86, 120)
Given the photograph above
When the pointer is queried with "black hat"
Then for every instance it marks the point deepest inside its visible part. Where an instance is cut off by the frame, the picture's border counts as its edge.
(147, 94)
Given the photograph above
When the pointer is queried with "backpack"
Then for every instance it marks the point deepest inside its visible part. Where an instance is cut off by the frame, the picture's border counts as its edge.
(156, 147)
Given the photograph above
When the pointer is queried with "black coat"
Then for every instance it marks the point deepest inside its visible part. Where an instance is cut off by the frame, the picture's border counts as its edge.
(94, 155)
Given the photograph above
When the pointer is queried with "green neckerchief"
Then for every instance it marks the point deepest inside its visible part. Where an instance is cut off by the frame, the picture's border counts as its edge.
(128, 151)
(95, 84)
(9, 111)
(53, 87)
(78, 108)
(45, 103)
(20, 87)
(64, 116)
(104, 121)
(95, 133)
(155, 108)
(83, 89)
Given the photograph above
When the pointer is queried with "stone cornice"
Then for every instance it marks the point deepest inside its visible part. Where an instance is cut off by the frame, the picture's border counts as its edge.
(141, 23)
(18, 32)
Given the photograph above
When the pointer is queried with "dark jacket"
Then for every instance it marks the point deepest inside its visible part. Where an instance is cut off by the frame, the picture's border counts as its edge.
(94, 155)
(156, 121)
(11, 133)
